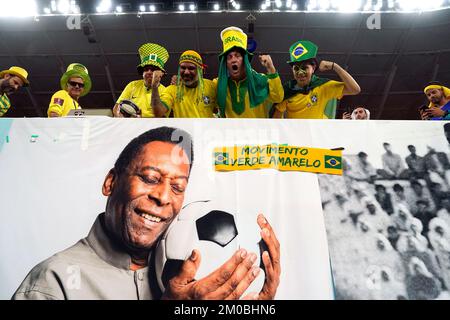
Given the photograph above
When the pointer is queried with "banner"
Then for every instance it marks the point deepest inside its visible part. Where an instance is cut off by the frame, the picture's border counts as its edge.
(279, 157)
(380, 230)
(52, 190)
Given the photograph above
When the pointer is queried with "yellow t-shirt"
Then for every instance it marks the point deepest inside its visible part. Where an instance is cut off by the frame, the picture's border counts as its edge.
(276, 94)
(191, 105)
(61, 103)
(137, 92)
(313, 104)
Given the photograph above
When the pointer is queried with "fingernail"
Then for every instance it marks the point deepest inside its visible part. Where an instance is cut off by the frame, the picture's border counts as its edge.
(255, 271)
(266, 232)
(253, 258)
(243, 253)
(263, 219)
(193, 256)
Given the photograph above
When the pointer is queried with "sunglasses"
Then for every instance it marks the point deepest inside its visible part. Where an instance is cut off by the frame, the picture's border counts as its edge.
(76, 84)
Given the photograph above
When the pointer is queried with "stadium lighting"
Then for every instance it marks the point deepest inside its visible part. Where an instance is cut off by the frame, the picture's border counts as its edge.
(152, 8)
(19, 8)
(47, 10)
(142, 8)
(409, 5)
(237, 6)
(324, 5)
(312, 4)
(431, 4)
(104, 6)
(192, 7)
(63, 6)
(181, 7)
(349, 5)
(391, 4)
(278, 3)
(293, 6)
(216, 7)
(263, 6)
(119, 9)
(288, 4)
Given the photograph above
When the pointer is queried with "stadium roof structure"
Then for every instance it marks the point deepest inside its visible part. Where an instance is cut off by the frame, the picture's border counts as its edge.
(392, 61)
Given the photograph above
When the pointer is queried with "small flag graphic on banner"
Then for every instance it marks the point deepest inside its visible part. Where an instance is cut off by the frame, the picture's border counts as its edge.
(220, 158)
(333, 162)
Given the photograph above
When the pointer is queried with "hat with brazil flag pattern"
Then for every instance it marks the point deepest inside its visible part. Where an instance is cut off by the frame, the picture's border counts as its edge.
(301, 51)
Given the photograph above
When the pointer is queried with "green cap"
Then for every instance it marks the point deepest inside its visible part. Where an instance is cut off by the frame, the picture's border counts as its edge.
(301, 51)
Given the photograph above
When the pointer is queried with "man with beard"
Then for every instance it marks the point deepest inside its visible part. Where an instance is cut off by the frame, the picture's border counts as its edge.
(308, 96)
(439, 107)
(139, 92)
(75, 83)
(145, 191)
(241, 91)
(192, 96)
(360, 113)
(10, 81)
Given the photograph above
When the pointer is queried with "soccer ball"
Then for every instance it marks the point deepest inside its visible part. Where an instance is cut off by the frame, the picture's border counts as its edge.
(216, 232)
(129, 109)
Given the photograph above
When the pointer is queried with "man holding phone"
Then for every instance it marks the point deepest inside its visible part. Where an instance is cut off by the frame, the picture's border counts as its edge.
(438, 108)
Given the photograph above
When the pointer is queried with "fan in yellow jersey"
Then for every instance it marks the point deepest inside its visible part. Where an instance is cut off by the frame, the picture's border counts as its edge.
(75, 83)
(192, 96)
(241, 91)
(308, 96)
(153, 57)
(10, 81)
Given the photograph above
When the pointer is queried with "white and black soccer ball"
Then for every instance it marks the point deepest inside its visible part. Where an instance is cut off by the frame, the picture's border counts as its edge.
(216, 232)
(129, 109)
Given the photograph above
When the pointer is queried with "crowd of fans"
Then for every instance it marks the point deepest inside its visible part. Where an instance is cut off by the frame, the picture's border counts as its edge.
(238, 91)
(389, 228)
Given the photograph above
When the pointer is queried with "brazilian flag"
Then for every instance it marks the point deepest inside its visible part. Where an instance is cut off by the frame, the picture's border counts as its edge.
(333, 162)
(220, 158)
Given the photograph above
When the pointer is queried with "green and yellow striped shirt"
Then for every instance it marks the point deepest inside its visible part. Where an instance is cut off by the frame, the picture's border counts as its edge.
(4, 104)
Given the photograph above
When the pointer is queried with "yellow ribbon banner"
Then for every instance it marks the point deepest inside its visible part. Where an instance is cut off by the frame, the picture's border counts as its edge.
(278, 156)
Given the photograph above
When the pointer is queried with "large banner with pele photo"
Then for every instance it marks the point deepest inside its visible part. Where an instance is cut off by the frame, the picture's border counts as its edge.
(360, 209)
(53, 187)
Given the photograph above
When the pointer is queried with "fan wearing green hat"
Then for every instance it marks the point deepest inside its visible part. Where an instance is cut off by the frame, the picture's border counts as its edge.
(241, 91)
(75, 83)
(191, 96)
(10, 81)
(153, 58)
(308, 96)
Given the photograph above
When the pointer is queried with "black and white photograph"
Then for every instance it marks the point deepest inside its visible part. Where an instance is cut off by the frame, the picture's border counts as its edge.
(388, 216)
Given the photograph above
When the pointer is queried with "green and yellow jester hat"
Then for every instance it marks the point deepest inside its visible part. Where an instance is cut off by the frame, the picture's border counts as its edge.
(152, 54)
(255, 84)
(80, 71)
(193, 57)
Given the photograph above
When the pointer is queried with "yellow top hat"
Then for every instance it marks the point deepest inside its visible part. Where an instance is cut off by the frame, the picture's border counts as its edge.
(233, 37)
(19, 72)
(192, 57)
